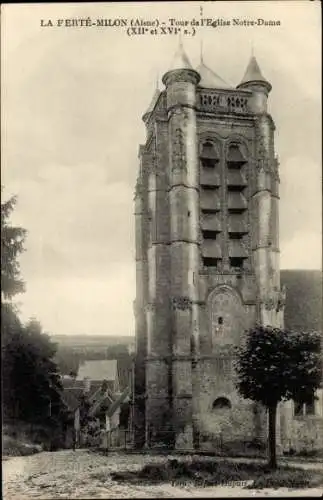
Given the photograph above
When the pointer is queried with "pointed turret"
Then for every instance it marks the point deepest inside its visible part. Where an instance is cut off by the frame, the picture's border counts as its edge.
(181, 68)
(253, 75)
(254, 80)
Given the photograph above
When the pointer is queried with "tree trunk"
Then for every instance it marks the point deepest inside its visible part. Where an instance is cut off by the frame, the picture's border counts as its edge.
(272, 411)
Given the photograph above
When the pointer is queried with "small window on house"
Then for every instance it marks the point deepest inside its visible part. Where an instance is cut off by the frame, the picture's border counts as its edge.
(220, 403)
(298, 409)
(302, 409)
(220, 320)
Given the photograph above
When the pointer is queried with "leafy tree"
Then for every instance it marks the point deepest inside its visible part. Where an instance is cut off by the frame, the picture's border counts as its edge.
(42, 381)
(117, 351)
(31, 388)
(85, 407)
(275, 365)
(67, 360)
(31, 383)
(12, 244)
(11, 334)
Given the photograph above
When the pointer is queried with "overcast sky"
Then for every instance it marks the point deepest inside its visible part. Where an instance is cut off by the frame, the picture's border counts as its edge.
(71, 125)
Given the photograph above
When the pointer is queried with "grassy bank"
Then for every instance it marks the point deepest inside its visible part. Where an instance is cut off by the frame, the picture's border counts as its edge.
(213, 473)
(12, 447)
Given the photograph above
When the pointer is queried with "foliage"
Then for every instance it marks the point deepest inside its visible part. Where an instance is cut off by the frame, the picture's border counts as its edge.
(213, 472)
(31, 388)
(124, 415)
(117, 351)
(287, 478)
(31, 383)
(275, 365)
(12, 244)
(85, 407)
(67, 360)
(12, 447)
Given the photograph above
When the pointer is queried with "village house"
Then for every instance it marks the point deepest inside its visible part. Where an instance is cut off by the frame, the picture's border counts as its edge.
(99, 400)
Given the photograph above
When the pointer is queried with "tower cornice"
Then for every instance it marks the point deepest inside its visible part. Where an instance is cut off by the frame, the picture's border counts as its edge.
(181, 75)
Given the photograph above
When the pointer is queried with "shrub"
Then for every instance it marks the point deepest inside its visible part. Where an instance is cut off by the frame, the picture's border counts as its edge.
(14, 448)
(283, 479)
(213, 472)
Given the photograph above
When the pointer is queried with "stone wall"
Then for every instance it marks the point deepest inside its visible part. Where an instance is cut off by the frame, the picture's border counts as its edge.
(302, 433)
(241, 422)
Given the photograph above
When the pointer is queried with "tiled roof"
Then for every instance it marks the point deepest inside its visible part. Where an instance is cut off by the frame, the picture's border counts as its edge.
(69, 382)
(209, 79)
(98, 370)
(71, 397)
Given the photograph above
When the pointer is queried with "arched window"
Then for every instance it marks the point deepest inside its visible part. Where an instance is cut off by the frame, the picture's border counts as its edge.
(220, 403)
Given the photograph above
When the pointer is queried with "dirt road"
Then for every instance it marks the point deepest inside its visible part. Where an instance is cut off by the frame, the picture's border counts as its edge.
(82, 474)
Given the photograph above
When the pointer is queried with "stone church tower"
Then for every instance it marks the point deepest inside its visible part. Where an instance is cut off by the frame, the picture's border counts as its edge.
(207, 253)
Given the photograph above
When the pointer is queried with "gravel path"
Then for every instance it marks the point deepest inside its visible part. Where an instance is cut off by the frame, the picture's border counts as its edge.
(81, 474)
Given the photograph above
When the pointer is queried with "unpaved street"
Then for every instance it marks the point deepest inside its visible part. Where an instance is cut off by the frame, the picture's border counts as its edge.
(81, 474)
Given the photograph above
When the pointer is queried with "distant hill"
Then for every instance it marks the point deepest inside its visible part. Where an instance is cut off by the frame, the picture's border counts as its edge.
(92, 342)
(303, 311)
(73, 350)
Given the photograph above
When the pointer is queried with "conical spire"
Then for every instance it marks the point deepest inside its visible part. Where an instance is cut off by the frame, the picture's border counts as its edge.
(209, 79)
(181, 67)
(253, 73)
(180, 61)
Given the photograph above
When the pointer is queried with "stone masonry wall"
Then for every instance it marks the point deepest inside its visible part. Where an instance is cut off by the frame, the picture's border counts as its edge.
(302, 433)
(240, 424)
